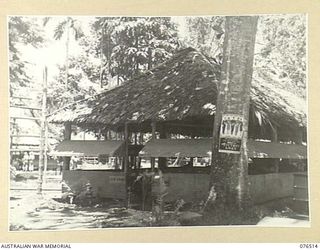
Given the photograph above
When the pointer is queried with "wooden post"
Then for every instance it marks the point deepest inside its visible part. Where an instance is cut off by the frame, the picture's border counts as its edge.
(126, 141)
(299, 139)
(153, 128)
(141, 143)
(109, 135)
(67, 136)
(13, 124)
(42, 155)
(141, 138)
(126, 163)
(192, 158)
(274, 138)
(135, 138)
(162, 164)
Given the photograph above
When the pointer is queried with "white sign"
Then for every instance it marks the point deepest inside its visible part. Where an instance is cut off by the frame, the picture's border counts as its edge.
(231, 131)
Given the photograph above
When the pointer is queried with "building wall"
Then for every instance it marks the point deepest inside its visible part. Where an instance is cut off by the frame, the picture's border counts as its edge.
(192, 187)
(186, 186)
(105, 184)
(271, 186)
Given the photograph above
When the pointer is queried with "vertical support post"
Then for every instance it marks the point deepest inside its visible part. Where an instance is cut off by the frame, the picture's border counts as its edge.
(274, 138)
(46, 148)
(141, 138)
(299, 138)
(45, 114)
(12, 127)
(126, 163)
(126, 141)
(42, 155)
(141, 143)
(109, 135)
(153, 128)
(135, 138)
(67, 136)
(162, 160)
(192, 158)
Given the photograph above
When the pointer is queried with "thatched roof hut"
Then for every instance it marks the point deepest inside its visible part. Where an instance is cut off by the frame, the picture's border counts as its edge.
(181, 94)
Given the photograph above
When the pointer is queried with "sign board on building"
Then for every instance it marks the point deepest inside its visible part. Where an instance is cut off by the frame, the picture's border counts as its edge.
(231, 131)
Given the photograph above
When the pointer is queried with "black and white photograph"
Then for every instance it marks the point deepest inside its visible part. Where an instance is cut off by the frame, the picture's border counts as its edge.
(157, 121)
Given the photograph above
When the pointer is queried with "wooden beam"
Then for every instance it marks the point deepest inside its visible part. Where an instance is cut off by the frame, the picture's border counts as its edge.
(188, 125)
(31, 136)
(25, 118)
(23, 150)
(24, 107)
(25, 144)
(21, 97)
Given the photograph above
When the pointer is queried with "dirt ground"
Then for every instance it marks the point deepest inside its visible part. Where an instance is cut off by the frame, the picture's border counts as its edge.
(31, 211)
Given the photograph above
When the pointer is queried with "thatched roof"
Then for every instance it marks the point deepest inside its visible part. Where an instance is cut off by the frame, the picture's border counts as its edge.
(184, 89)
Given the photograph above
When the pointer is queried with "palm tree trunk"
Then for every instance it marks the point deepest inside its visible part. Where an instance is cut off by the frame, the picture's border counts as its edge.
(67, 53)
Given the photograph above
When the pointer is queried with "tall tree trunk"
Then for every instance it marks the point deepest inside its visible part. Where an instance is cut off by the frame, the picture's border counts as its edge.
(229, 186)
(67, 52)
(101, 56)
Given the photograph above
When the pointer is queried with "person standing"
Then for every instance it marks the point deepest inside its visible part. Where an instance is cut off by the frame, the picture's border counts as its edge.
(25, 161)
(31, 161)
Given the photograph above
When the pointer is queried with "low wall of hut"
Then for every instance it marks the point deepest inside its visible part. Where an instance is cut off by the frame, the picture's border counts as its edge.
(272, 186)
(191, 187)
(105, 184)
(194, 187)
